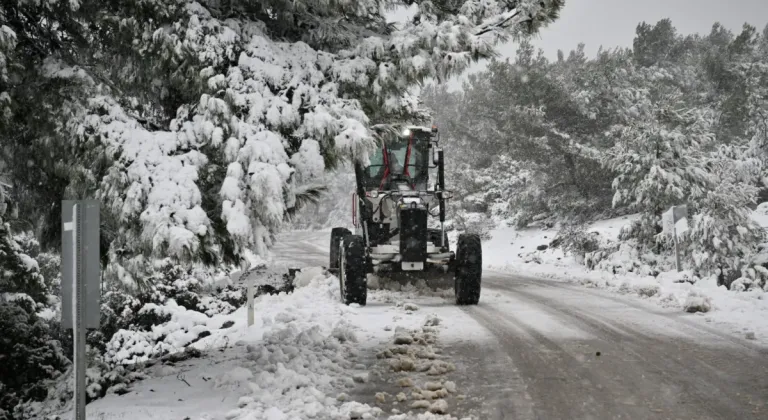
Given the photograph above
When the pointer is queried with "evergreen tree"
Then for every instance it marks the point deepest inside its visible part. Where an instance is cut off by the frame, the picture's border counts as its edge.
(185, 117)
(28, 353)
(541, 116)
(638, 130)
(723, 234)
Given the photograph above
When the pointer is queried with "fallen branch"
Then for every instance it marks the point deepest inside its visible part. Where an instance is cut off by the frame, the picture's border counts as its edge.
(180, 377)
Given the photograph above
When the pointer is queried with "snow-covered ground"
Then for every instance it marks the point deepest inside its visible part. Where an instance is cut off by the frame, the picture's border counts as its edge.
(302, 359)
(512, 250)
(515, 251)
(307, 356)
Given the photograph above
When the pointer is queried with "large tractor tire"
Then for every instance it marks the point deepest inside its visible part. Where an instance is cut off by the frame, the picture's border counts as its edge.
(337, 235)
(469, 269)
(352, 277)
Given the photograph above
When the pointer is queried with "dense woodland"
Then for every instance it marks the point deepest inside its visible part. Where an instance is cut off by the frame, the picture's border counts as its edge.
(673, 120)
(202, 126)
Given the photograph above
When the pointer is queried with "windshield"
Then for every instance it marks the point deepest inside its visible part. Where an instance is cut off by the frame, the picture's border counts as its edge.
(400, 158)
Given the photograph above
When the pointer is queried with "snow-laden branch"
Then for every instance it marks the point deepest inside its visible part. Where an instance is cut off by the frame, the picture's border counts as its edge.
(257, 110)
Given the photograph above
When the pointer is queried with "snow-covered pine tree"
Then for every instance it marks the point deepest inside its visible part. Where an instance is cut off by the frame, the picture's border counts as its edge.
(659, 153)
(668, 154)
(722, 231)
(196, 111)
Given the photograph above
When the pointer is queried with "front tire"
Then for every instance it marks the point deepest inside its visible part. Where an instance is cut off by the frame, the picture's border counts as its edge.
(352, 276)
(337, 235)
(469, 269)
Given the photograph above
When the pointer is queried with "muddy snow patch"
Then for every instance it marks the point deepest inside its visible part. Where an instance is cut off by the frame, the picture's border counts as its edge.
(414, 362)
(403, 336)
(439, 407)
(432, 320)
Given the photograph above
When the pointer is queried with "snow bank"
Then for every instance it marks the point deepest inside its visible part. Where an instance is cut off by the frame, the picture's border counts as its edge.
(515, 251)
(304, 277)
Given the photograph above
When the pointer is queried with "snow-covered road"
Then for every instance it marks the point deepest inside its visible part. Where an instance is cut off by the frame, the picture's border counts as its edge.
(571, 352)
(532, 349)
(542, 349)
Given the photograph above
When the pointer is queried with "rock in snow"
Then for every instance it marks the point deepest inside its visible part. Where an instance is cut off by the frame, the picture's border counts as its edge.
(696, 302)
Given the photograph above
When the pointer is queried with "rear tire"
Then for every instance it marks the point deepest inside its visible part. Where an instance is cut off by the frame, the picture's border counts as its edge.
(354, 288)
(337, 235)
(469, 269)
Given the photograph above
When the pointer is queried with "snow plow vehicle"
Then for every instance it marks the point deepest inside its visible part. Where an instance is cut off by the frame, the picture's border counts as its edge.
(399, 219)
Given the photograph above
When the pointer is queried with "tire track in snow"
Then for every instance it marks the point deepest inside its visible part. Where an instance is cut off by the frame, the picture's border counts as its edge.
(564, 381)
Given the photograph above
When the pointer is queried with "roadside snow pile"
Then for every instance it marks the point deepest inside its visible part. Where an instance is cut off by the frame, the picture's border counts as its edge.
(290, 364)
(182, 328)
(642, 286)
(305, 277)
(303, 351)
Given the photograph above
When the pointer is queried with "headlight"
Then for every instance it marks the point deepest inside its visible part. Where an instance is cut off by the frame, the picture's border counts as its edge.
(373, 194)
(406, 132)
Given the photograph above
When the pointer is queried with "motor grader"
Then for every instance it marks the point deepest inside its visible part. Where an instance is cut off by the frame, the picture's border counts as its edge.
(399, 223)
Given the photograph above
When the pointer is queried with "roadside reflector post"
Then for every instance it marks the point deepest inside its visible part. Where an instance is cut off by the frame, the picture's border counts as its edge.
(675, 223)
(80, 284)
(244, 267)
(250, 302)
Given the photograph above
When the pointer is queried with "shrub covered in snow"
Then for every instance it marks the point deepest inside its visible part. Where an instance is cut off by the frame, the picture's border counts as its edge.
(697, 302)
(173, 311)
(176, 309)
(29, 355)
(622, 258)
(575, 239)
(752, 274)
(158, 324)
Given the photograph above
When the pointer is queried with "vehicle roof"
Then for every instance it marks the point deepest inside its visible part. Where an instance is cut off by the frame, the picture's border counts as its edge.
(419, 128)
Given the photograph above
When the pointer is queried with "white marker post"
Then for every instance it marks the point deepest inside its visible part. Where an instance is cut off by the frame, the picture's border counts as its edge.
(80, 284)
(675, 222)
